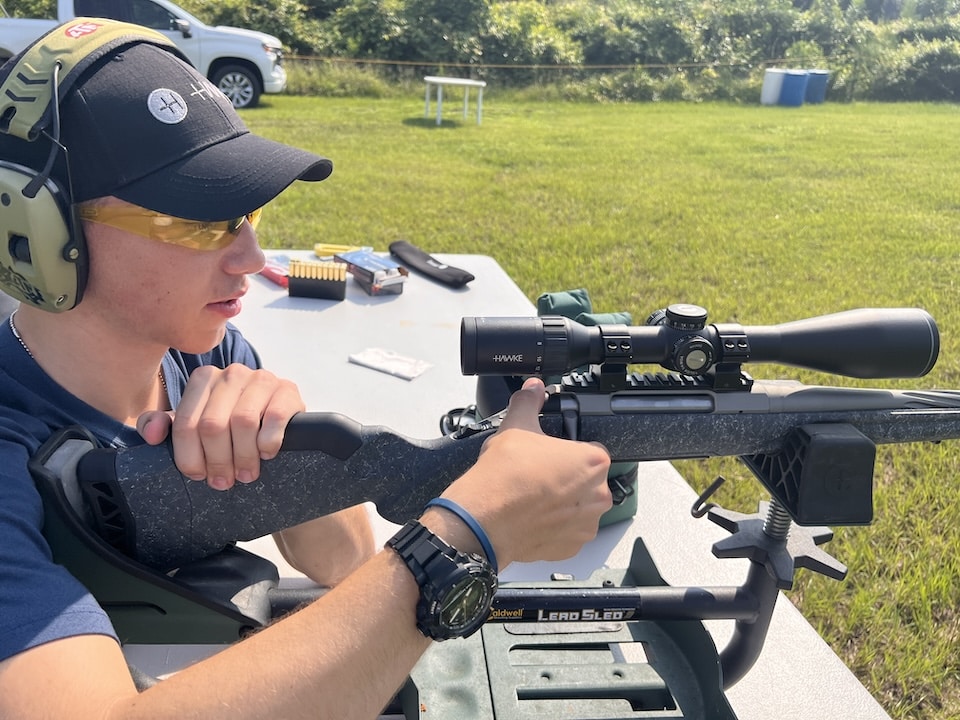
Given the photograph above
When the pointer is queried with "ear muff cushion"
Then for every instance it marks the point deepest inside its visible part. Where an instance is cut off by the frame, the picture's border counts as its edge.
(41, 262)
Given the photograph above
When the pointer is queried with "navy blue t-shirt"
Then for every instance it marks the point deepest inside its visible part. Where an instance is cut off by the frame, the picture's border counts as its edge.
(39, 600)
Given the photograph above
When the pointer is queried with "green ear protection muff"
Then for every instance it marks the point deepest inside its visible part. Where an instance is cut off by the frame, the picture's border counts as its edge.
(43, 259)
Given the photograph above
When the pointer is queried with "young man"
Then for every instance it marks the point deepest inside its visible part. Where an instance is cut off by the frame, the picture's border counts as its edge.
(166, 180)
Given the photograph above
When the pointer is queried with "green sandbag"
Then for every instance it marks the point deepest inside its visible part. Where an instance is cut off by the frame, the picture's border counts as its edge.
(575, 304)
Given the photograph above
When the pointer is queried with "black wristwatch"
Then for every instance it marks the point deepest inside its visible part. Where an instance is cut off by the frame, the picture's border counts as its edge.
(456, 589)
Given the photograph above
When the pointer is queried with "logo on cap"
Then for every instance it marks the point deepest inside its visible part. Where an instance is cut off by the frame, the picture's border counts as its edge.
(167, 106)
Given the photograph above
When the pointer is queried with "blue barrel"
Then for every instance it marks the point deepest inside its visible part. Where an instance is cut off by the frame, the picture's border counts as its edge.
(816, 86)
(794, 88)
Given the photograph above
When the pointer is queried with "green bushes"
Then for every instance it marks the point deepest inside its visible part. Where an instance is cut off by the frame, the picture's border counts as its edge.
(614, 50)
(646, 51)
(925, 71)
(331, 79)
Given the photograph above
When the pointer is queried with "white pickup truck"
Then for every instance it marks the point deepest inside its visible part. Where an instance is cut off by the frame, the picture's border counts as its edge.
(242, 63)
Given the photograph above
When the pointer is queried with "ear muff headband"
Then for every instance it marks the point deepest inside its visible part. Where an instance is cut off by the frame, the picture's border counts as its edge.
(26, 93)
(43, 259)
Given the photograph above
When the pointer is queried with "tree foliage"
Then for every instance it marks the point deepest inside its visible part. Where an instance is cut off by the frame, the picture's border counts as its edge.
(623, 49)
(890, 49)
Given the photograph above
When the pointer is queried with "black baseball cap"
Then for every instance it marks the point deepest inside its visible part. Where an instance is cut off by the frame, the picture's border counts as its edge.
(145, 126)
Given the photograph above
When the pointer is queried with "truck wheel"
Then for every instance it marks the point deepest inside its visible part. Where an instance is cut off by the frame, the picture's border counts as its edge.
(239, 84)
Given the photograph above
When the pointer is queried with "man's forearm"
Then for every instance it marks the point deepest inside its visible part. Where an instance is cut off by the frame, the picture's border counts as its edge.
(329, 548)
(343, 656)
(322, 662)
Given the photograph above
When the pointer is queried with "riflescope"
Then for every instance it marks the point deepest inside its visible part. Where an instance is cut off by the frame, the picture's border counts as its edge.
(864, 343)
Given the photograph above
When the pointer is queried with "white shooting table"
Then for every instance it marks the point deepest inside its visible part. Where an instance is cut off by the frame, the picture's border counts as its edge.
(797, 675)
(465, 83)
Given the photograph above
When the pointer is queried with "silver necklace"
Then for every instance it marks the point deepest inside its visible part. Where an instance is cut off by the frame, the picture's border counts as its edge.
(16, 334)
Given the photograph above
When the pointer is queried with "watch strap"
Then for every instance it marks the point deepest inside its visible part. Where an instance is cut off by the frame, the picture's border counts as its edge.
(416, 555)
(434, 564)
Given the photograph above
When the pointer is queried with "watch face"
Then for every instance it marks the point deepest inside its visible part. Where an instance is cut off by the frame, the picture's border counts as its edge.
(466, 604)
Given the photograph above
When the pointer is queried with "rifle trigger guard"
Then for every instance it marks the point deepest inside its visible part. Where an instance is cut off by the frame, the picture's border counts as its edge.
(619, 490)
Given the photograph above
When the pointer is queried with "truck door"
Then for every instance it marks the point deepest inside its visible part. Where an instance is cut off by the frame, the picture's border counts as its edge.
(146, 13)
(152, 15)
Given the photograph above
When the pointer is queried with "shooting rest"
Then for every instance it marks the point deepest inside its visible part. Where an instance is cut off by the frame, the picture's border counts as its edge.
(620, 669)
(215, 600)
(569, 671)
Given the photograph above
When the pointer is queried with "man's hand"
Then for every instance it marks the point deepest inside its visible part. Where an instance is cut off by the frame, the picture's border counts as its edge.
(538, 497)
(226, 423)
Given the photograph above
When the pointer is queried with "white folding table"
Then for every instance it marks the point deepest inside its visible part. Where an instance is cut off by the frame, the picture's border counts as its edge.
(437, 81)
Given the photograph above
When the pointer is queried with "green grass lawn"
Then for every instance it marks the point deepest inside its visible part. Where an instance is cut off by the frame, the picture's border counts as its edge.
(760, 214)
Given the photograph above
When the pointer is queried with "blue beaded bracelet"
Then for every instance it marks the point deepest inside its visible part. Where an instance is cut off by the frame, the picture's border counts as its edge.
(472, 524)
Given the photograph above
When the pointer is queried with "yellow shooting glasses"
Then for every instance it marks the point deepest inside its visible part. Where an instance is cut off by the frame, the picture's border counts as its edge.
(194, 234)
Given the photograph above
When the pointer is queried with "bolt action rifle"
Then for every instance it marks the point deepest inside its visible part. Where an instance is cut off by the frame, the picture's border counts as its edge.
(813, 448)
